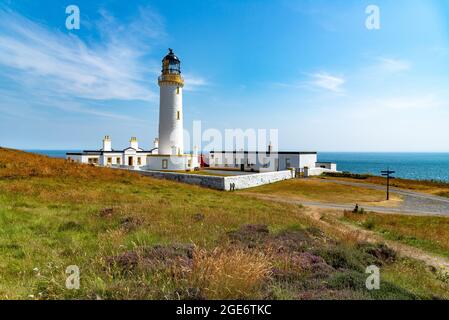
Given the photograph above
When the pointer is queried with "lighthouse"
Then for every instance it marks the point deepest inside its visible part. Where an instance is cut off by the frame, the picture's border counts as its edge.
(171, 139)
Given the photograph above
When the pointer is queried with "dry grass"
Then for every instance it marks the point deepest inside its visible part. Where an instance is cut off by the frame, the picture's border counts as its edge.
(314, 190)
(229, 273)
(432, 187)
(16, 164)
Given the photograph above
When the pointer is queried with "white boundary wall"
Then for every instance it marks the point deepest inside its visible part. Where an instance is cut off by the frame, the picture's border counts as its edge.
(258, 179)
(308, 172)
(222, 183)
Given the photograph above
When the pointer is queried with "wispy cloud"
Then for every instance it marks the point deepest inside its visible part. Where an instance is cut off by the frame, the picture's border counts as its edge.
(39, 58)
(393, 65)
(194, 83)
(326, 81)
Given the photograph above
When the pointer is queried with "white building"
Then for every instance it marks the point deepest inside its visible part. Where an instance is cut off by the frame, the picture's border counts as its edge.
(131, 157)
(301, 161)
(170, 155)
(168, 152)
(261, 161)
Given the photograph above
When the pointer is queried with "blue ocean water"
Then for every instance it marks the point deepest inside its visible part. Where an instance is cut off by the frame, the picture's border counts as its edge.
(52, 153)
(422, 166)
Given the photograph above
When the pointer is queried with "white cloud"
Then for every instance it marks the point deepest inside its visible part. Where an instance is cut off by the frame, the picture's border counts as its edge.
(328, 82)
(62, 64)
(193, 83)
(393, 65)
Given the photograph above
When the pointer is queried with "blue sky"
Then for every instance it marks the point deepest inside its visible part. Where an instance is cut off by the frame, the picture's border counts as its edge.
(308, 68)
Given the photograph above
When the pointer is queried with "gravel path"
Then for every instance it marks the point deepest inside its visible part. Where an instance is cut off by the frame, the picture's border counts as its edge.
(413, 202)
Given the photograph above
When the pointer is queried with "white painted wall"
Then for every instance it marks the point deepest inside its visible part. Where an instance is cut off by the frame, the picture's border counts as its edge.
(171, 163)
(170, 127)
(326, 165)
(307, 160)
(224, 183)
(262, 162)
(316, 171)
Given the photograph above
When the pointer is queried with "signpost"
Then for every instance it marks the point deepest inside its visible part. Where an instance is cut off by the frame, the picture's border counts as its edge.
(388, 173)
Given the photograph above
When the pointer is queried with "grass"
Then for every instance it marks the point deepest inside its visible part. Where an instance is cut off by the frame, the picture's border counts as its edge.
(314, 190)
(428, 233)
(439, 188)
(136, 237)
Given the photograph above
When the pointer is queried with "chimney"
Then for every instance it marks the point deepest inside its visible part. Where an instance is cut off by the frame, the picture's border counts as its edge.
(134, 143)
(107, 144)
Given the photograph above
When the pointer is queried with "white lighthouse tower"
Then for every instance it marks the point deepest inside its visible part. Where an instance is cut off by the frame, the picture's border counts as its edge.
(170, 143)
(171, 138)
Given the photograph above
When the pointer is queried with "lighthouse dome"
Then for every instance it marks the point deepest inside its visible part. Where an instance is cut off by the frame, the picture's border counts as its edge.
(171, 63)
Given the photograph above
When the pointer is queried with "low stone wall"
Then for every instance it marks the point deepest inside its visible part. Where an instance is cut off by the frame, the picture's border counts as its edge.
(257, 179)
(222, 183)
(309, 172)
(205, 181)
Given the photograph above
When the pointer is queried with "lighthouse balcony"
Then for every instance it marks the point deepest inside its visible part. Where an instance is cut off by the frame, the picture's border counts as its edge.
(171, 78)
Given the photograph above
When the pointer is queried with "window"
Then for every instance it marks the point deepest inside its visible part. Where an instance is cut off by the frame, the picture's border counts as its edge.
(178, 115)
(177, 90)
(164, 164)
(189, 163)
(119, 160)
(109, 160)
(139, 161)
(287, 163)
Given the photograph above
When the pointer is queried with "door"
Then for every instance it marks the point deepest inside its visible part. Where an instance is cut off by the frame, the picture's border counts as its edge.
(242, 167)
(130, 161)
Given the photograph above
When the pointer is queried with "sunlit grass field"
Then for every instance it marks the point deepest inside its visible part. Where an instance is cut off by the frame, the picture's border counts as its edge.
(428, 233)
(438, 188)
(135, 237)
(314, 190)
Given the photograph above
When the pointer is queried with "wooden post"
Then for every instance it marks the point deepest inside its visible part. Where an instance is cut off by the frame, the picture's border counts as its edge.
(388, 173)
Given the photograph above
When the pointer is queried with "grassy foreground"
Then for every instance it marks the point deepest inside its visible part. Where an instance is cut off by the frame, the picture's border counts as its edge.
(428, 233)
(135, 237)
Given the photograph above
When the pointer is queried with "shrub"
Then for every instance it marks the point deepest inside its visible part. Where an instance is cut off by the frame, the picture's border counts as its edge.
(347, 175)
(229, 273)
(369, 224)
(343, 257)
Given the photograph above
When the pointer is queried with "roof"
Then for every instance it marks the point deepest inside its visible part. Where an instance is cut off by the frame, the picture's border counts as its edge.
(171, 56)
(101, 152)
(266, 152)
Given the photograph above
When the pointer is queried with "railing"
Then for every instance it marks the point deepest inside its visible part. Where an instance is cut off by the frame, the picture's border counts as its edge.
(171, 78)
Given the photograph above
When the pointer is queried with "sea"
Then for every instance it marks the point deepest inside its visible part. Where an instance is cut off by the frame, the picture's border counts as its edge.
(418, 166)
